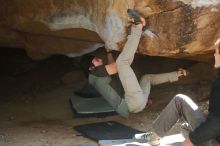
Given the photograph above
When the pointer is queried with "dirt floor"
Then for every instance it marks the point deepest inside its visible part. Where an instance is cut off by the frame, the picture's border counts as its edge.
(34, 107)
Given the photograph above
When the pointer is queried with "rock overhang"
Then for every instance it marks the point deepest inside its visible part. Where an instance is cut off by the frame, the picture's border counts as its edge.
(175, 28)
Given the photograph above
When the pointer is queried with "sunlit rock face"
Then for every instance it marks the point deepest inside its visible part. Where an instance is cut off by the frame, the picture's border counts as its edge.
(180, 28)
(175, 28)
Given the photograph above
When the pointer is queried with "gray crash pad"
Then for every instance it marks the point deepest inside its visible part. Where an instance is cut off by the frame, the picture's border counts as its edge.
(89, 107)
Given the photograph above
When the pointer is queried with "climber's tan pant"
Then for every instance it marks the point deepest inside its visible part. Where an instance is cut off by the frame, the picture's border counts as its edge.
(133, 92)
(136, 96)
(155, 79)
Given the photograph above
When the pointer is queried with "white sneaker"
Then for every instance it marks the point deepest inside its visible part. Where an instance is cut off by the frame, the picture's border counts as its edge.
(148, 137)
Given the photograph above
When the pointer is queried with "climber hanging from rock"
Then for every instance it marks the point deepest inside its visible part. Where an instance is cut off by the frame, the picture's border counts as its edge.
(117, 82)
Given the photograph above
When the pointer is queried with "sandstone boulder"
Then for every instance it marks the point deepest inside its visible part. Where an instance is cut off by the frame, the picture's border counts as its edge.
(175, 28)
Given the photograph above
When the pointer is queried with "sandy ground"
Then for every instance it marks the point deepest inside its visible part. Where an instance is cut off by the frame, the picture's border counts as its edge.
(47, 120)
(34, 107)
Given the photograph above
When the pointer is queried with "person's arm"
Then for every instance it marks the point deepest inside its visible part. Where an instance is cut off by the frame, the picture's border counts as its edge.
(109, 56)
(111, 68)
(210, 129)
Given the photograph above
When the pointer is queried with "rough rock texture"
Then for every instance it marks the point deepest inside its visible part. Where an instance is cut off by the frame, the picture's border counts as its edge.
(176, 28)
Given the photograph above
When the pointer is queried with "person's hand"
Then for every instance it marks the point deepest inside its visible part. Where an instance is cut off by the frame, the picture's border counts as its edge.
(143, 21)
(182, 72)
(187, 142)
(149, 103)
(217, 55)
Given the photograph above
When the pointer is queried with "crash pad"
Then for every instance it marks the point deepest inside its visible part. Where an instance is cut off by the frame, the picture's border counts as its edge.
(109, 130)
(91, 107)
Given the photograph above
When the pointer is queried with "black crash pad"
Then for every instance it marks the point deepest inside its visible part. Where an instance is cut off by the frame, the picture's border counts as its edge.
(90, 107)
(109, 130)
